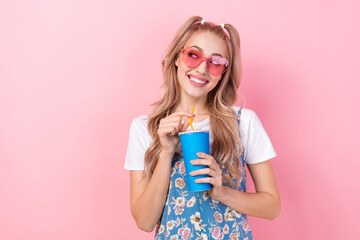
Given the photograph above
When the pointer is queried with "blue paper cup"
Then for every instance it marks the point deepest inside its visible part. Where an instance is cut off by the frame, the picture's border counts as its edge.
(193, 142)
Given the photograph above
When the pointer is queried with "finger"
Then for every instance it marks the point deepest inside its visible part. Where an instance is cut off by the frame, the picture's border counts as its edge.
(180, 125)
(203, 171)
(206, 180)
(202, 161)
(210, 162)
(204, 155)
(208, 156)
(173, 123)
(185, 125)
(167, 131)
(170, 120)
(170, 124)
(185, 114)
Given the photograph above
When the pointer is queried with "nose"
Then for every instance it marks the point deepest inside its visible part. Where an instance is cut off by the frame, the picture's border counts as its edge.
(202, 68)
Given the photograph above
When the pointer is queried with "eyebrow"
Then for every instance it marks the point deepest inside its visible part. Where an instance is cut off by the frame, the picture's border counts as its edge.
(213, 54)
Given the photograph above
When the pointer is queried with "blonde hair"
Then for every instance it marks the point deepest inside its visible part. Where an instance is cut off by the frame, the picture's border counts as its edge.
(223, 122)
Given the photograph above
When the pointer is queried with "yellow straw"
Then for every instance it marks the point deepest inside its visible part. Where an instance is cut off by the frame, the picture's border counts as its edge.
(192, 129)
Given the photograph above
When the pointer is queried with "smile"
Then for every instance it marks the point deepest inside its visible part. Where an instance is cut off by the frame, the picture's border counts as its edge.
(197, 82)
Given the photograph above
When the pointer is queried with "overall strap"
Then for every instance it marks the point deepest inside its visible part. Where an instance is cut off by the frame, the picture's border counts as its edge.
(238, 116)
(242, 186)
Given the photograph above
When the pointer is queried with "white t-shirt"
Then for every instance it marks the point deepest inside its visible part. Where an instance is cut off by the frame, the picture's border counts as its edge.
(255, 142)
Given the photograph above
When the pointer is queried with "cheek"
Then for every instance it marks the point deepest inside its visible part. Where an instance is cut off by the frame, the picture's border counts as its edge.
(214, 84)
(181, 76)
(216, 81)
(182, 69)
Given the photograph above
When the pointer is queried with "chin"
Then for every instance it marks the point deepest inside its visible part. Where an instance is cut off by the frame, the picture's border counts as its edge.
(196, 94)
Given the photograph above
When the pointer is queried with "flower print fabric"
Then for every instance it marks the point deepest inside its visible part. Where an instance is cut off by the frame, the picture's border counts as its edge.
(195, 215)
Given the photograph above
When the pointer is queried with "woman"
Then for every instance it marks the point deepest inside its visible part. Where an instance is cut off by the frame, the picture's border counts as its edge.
(202, 69)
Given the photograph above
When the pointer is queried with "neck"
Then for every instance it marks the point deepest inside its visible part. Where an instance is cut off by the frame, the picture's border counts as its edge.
(186, 104)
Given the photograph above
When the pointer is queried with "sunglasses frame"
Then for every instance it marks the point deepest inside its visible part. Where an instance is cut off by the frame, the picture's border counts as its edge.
(203, 58)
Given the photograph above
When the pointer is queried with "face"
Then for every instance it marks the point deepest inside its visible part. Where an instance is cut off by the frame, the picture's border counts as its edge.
(197, 82)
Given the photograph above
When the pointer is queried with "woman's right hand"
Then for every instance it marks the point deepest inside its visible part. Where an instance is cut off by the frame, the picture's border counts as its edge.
(169, 128)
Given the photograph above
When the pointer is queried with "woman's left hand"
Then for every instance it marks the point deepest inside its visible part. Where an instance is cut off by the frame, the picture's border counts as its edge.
(213, 171)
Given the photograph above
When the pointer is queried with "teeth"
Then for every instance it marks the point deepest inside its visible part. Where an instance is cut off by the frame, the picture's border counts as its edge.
(197, 80)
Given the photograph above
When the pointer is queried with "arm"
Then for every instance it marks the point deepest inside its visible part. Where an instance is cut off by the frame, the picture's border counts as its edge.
(148, 195)
(264, 203)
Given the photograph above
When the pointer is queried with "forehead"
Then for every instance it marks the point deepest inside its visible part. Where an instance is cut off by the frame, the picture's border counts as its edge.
(209, 43)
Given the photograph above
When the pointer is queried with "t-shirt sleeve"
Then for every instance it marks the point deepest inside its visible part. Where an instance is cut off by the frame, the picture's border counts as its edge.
(255, 141)
(139, 142)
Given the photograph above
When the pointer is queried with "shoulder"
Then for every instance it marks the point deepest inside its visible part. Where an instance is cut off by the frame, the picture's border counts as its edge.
(139, 142)
(139, 125)
(256, 143)
(246, 115)
(140, 121)
(248, 120)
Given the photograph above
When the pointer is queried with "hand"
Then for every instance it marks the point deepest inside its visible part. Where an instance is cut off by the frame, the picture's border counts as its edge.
(169, 128)
(213, 171)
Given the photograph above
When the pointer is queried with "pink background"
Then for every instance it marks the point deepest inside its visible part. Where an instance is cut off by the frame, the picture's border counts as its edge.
(75, 73)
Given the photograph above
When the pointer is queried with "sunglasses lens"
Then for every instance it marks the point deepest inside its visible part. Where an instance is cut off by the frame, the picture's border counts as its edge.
(192, 58)
(217, 65)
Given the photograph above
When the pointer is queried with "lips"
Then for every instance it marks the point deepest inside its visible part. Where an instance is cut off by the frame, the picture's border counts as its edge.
(197, 81)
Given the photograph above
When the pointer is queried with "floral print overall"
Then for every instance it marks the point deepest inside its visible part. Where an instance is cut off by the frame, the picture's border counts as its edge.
(195, 215)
